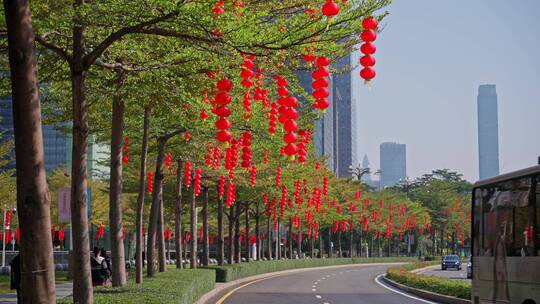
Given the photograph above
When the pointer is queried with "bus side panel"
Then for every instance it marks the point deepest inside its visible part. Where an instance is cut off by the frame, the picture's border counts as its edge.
(515, 280)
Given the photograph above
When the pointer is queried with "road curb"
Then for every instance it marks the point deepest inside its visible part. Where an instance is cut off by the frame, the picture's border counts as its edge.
(428, 295)
(221, 289)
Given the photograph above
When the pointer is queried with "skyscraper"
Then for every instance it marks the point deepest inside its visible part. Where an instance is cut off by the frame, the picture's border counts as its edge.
(393, 164)
(344, 119)
(488, 131)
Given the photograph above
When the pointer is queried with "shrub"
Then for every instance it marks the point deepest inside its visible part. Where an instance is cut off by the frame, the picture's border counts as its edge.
(233, 272)
(455, 288)
(174, 286)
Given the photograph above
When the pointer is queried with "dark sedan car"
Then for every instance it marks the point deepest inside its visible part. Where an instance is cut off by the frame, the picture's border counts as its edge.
(451, 261)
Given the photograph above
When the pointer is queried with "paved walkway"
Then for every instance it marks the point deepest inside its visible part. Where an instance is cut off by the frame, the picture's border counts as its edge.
(62, 290)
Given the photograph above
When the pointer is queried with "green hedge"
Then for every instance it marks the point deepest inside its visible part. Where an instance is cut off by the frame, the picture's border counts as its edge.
(233, 272)
(184, 286)
(454, 288)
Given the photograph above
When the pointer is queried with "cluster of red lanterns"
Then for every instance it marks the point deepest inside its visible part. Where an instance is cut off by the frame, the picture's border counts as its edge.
(167, 234)
(125, 151)
(197, 182)
(213, 157)
(150, 178)
(305, 136)
(283, 201)
(222, 99)
(368, 36)
(187, 174)
(100, 233)
(320, 84)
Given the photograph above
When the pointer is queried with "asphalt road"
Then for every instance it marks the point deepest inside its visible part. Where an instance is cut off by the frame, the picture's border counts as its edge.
(448, 273)
(344, 285)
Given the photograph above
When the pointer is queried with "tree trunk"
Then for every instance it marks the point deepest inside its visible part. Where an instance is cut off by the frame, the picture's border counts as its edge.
(278, 240)
(115, 192)
(161, 238)
(230, 240)
(237, 245)
(206, 255)
(269, 239)
(154, 209)
(221, 242)
(193, 240)
(321, 246)
(351, 241)
(178, 217)
(33, 200)
(140, 199)
(248, 252)
(330, 252)
(82, 282)
(299, 243)
(258, 232)
(339, 244)
(290, 239)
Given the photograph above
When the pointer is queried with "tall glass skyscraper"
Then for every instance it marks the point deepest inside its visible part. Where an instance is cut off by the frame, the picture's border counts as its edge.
(488, 131)
(393, 164)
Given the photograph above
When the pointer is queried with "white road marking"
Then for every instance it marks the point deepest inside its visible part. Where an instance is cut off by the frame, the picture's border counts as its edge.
(313, 289)
(318, 297)
(377, 280)
(313, 286)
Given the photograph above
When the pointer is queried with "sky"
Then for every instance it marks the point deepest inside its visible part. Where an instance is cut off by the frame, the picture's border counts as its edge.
(431, 57)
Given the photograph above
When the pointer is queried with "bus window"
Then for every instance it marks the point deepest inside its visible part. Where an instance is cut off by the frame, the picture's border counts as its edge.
(488, 221)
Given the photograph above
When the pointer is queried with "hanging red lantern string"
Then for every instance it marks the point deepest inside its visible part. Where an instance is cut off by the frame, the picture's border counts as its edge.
(253, 175)
(125, 151)
(320, 84)
(272, 118)
(187, 174)
(222, 99)
(369, 35)
(221, 191)
(245, 141)
(247, 74)
(168, 160)
(278, 177)
(61, 234)
(231, 158)
(150, 178)
(197, 182)
(231, 194)
(216, 163)
(209, 157)
(265, 156)
(288, 115)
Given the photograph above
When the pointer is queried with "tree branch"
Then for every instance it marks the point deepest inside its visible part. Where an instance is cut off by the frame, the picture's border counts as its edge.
(42, 39)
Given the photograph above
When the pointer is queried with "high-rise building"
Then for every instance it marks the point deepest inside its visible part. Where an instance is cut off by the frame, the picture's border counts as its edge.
(488, 131)
(344, 119)
(393, 164)
(365, 165)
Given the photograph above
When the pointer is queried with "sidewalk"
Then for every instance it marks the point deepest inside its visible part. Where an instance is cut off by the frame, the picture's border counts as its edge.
(62, 290)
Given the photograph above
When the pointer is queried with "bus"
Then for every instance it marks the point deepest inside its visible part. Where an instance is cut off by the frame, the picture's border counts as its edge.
(506, 238)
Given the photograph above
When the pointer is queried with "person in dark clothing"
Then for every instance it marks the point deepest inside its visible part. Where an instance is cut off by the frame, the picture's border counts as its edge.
(107, 272)
(16, 276)
(100, 270)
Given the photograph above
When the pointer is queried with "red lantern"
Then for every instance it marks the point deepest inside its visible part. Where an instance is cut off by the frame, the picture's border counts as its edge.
(187, 136)
(370, 23)
(330, 8)
(253, 175)
(367, 61)
(221, 191)
(218, 9)
(367, 73)
(125, 151)
(168, 160)
(278, 177)
(61, 234)
(368, 36)
(203, 115)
